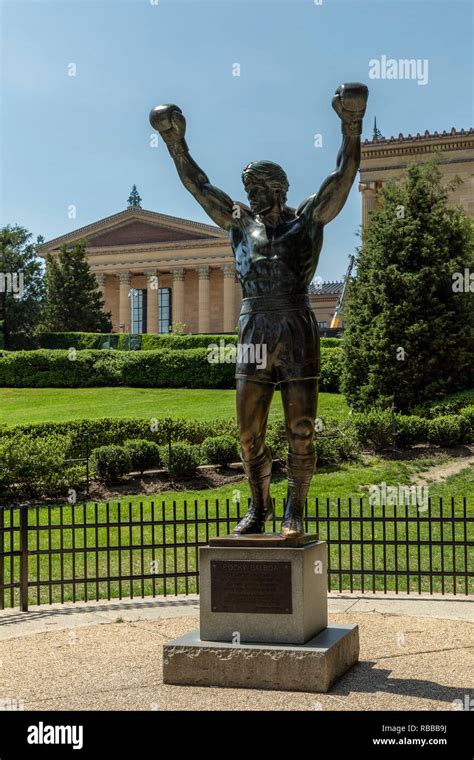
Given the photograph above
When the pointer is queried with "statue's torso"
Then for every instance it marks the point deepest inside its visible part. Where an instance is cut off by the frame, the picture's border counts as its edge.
(275, 260)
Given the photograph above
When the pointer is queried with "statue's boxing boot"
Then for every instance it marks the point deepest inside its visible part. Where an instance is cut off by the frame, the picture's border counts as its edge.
(300, 471)
(259, 473)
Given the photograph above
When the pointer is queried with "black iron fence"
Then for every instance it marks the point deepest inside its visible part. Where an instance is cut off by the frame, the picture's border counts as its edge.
(102, 551)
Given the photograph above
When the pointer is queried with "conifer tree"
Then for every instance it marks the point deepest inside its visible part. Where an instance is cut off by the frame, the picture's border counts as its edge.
(410, 313)
(73, 303)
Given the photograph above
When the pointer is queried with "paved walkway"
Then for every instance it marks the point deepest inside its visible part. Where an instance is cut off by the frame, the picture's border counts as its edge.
(417, 653)
(58, 617)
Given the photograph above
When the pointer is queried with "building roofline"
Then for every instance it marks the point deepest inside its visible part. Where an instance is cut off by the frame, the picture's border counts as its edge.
(427, 135)
(136, 212)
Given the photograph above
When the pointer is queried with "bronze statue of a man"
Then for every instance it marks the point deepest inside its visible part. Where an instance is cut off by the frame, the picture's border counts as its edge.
(276, 252)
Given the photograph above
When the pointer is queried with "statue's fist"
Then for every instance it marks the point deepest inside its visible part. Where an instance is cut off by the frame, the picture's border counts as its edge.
(350, 101)
(169, 121)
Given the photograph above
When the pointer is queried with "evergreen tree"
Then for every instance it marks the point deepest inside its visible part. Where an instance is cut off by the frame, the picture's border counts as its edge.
(409, 325)
(21, 287)
(73, 303)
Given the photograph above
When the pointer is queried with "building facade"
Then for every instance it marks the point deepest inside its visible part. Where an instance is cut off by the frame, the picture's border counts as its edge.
(323, 299)
(385, 159)
(157, 271)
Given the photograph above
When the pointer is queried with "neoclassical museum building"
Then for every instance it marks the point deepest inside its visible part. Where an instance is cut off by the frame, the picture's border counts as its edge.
(156, 271)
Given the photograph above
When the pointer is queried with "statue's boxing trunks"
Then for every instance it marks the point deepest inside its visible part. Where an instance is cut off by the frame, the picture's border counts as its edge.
(278, 340)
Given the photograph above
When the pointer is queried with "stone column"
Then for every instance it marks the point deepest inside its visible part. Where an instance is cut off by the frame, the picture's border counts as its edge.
(229, 318)
(124, 301)
(369, 199)
(152, 285)
(100, 277)
(204, 302)
(177, 296)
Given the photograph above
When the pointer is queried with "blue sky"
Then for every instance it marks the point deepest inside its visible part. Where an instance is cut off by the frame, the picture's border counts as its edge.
(84, 140)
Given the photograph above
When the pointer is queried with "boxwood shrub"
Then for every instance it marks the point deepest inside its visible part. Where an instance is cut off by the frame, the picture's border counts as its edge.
(375, 429)
(182, 460)
(331, 369)
(144, 455)
(33, 466)
(110, 463)
(449, 430)
(220, 449)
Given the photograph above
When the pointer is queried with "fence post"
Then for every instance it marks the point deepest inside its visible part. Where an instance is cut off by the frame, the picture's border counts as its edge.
(2, 557)
(87, 463)
(23, 558)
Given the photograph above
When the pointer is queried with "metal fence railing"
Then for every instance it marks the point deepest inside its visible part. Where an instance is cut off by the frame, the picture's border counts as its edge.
(102, 551)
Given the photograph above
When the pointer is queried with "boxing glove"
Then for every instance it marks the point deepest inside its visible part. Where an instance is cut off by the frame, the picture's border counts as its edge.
(350, 102)
(169, 121)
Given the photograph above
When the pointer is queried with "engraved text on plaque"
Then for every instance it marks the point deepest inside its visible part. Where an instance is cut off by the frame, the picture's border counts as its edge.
(251, 586)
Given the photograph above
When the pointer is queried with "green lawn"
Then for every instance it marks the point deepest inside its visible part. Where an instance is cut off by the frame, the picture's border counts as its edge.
(169, 508)
(22, 406)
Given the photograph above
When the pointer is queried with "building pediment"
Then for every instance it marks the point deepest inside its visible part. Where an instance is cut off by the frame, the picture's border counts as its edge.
(136, 232)
(136, 226)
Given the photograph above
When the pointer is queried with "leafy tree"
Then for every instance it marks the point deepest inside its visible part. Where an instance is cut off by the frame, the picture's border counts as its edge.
(21, 287)
(409, 328)
(73, 303)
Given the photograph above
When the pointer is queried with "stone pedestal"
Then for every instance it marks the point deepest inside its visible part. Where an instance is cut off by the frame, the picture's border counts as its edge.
(263, 619)
(273, 596)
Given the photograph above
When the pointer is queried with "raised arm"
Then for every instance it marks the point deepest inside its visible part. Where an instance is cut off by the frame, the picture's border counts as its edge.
(349, 103)
(169, 121)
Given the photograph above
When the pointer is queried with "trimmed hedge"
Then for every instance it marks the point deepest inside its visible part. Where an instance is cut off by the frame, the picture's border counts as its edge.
(149, 341)
(186, 368)
(337, 442)
(450, 405)
(88, 369)
(380, 430)
(36, 466)
(121, 341)
(331, 369)
(447, 431)
(111, 430)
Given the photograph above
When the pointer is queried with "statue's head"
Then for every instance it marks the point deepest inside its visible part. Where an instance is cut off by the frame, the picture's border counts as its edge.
(266, 185)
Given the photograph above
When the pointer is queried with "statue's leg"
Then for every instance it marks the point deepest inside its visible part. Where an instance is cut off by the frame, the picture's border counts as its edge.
(253, 405)
(300, 399)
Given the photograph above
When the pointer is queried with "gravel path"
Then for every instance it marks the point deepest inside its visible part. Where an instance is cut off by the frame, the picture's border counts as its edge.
(406, 663)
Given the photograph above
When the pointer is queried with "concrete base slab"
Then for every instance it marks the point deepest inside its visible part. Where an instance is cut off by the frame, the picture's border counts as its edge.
(310, 667)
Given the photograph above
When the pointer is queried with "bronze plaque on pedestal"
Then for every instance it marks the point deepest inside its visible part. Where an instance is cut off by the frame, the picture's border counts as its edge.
(259, 587)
